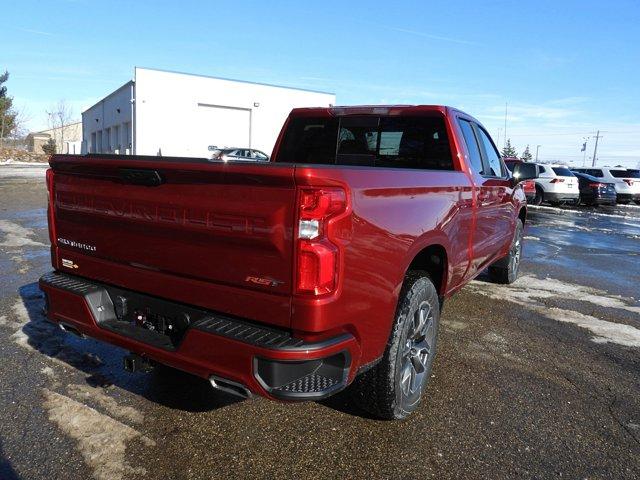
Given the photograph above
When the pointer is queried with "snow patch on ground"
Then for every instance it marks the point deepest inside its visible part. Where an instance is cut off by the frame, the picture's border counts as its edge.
(34, 333)
(18, 162)
(101, 440)
(587, 212)
(48, 371)
(527, 291)
(24, 171)
(16, 236)
(112, 407)
(602, 330)
(527, 288)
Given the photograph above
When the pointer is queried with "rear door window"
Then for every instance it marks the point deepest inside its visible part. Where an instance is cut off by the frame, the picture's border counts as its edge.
(472, 146)
(494, 167)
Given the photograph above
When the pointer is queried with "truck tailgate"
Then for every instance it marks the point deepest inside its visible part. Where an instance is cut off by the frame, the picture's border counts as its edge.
(224, 228)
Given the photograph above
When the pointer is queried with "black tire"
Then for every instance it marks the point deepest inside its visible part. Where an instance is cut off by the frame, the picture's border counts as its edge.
(537, 200)
(506, 269)
(393, 388)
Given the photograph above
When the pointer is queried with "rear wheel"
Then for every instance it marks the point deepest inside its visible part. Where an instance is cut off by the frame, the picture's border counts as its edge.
(393, 388)
(506, 269)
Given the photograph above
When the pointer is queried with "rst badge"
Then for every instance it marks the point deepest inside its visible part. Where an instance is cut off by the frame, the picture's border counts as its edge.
(264, 281)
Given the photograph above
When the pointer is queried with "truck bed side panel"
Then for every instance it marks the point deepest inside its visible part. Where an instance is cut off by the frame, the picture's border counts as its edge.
(395, 214)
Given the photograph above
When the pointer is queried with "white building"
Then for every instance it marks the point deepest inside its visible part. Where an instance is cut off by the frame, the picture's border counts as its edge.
(178, 114)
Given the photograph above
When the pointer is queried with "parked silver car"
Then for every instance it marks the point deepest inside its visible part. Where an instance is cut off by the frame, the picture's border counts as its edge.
(239, 154)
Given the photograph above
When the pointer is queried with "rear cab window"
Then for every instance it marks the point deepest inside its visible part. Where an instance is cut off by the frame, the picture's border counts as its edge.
(412, 142)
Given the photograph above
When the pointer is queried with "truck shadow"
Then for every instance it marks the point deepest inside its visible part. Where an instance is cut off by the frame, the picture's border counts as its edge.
(102, 363)
(6, 470)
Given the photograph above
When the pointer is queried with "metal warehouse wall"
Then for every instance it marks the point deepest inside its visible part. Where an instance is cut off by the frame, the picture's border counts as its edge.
(107, 125)
(181, 114)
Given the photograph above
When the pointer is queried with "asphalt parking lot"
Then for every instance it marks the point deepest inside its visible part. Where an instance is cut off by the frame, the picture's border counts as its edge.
(540, 379)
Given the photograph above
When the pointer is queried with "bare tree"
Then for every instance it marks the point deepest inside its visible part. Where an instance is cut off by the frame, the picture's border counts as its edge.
(59, 118)
(20, 120)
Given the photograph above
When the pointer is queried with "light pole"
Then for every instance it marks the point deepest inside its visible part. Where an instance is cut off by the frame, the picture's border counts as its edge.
(537, 150)
(595, 149)
(584, 149)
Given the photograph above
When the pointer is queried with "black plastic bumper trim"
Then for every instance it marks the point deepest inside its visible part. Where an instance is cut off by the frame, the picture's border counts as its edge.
(303, 380)
(98, 297)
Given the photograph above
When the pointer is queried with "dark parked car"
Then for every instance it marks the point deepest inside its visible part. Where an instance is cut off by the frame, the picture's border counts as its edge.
(595, 192)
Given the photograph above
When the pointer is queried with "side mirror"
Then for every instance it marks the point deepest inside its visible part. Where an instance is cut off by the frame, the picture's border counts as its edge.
(525, 171)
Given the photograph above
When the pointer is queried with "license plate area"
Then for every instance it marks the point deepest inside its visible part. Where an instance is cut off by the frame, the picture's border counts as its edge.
(151, 320)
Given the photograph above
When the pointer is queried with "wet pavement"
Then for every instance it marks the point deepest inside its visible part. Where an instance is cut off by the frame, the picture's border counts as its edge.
(540, 379)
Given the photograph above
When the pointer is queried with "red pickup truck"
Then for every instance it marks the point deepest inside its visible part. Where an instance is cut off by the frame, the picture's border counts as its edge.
(324, 268)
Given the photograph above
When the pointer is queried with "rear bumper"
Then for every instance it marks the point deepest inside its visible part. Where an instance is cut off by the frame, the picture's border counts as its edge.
(267, 361)
(598, 199)
(628, 197)
(561, 197)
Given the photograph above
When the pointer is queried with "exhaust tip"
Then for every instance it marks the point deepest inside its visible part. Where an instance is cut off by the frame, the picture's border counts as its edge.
(229, 386)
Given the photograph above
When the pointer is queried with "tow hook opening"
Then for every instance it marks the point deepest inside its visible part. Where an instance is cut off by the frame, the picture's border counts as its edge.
(135, 363)
(229, 386)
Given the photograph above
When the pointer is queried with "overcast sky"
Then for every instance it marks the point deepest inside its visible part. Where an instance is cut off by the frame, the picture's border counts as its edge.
(565, 68)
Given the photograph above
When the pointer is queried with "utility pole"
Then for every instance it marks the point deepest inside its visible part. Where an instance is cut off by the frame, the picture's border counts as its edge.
(537, 149)
(595, 149)
(584, 149)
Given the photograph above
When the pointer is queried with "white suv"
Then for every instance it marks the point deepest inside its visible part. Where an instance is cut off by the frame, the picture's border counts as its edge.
(556, 184)
(625, 180)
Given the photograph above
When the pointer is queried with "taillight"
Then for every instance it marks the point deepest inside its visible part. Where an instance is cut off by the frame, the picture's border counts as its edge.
(557, 180)
(318, 255)
(50, 207)
(597, 185)
(49, 179)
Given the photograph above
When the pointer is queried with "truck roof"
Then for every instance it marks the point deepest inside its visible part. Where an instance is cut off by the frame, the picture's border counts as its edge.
(369, 109)
(391, 110)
